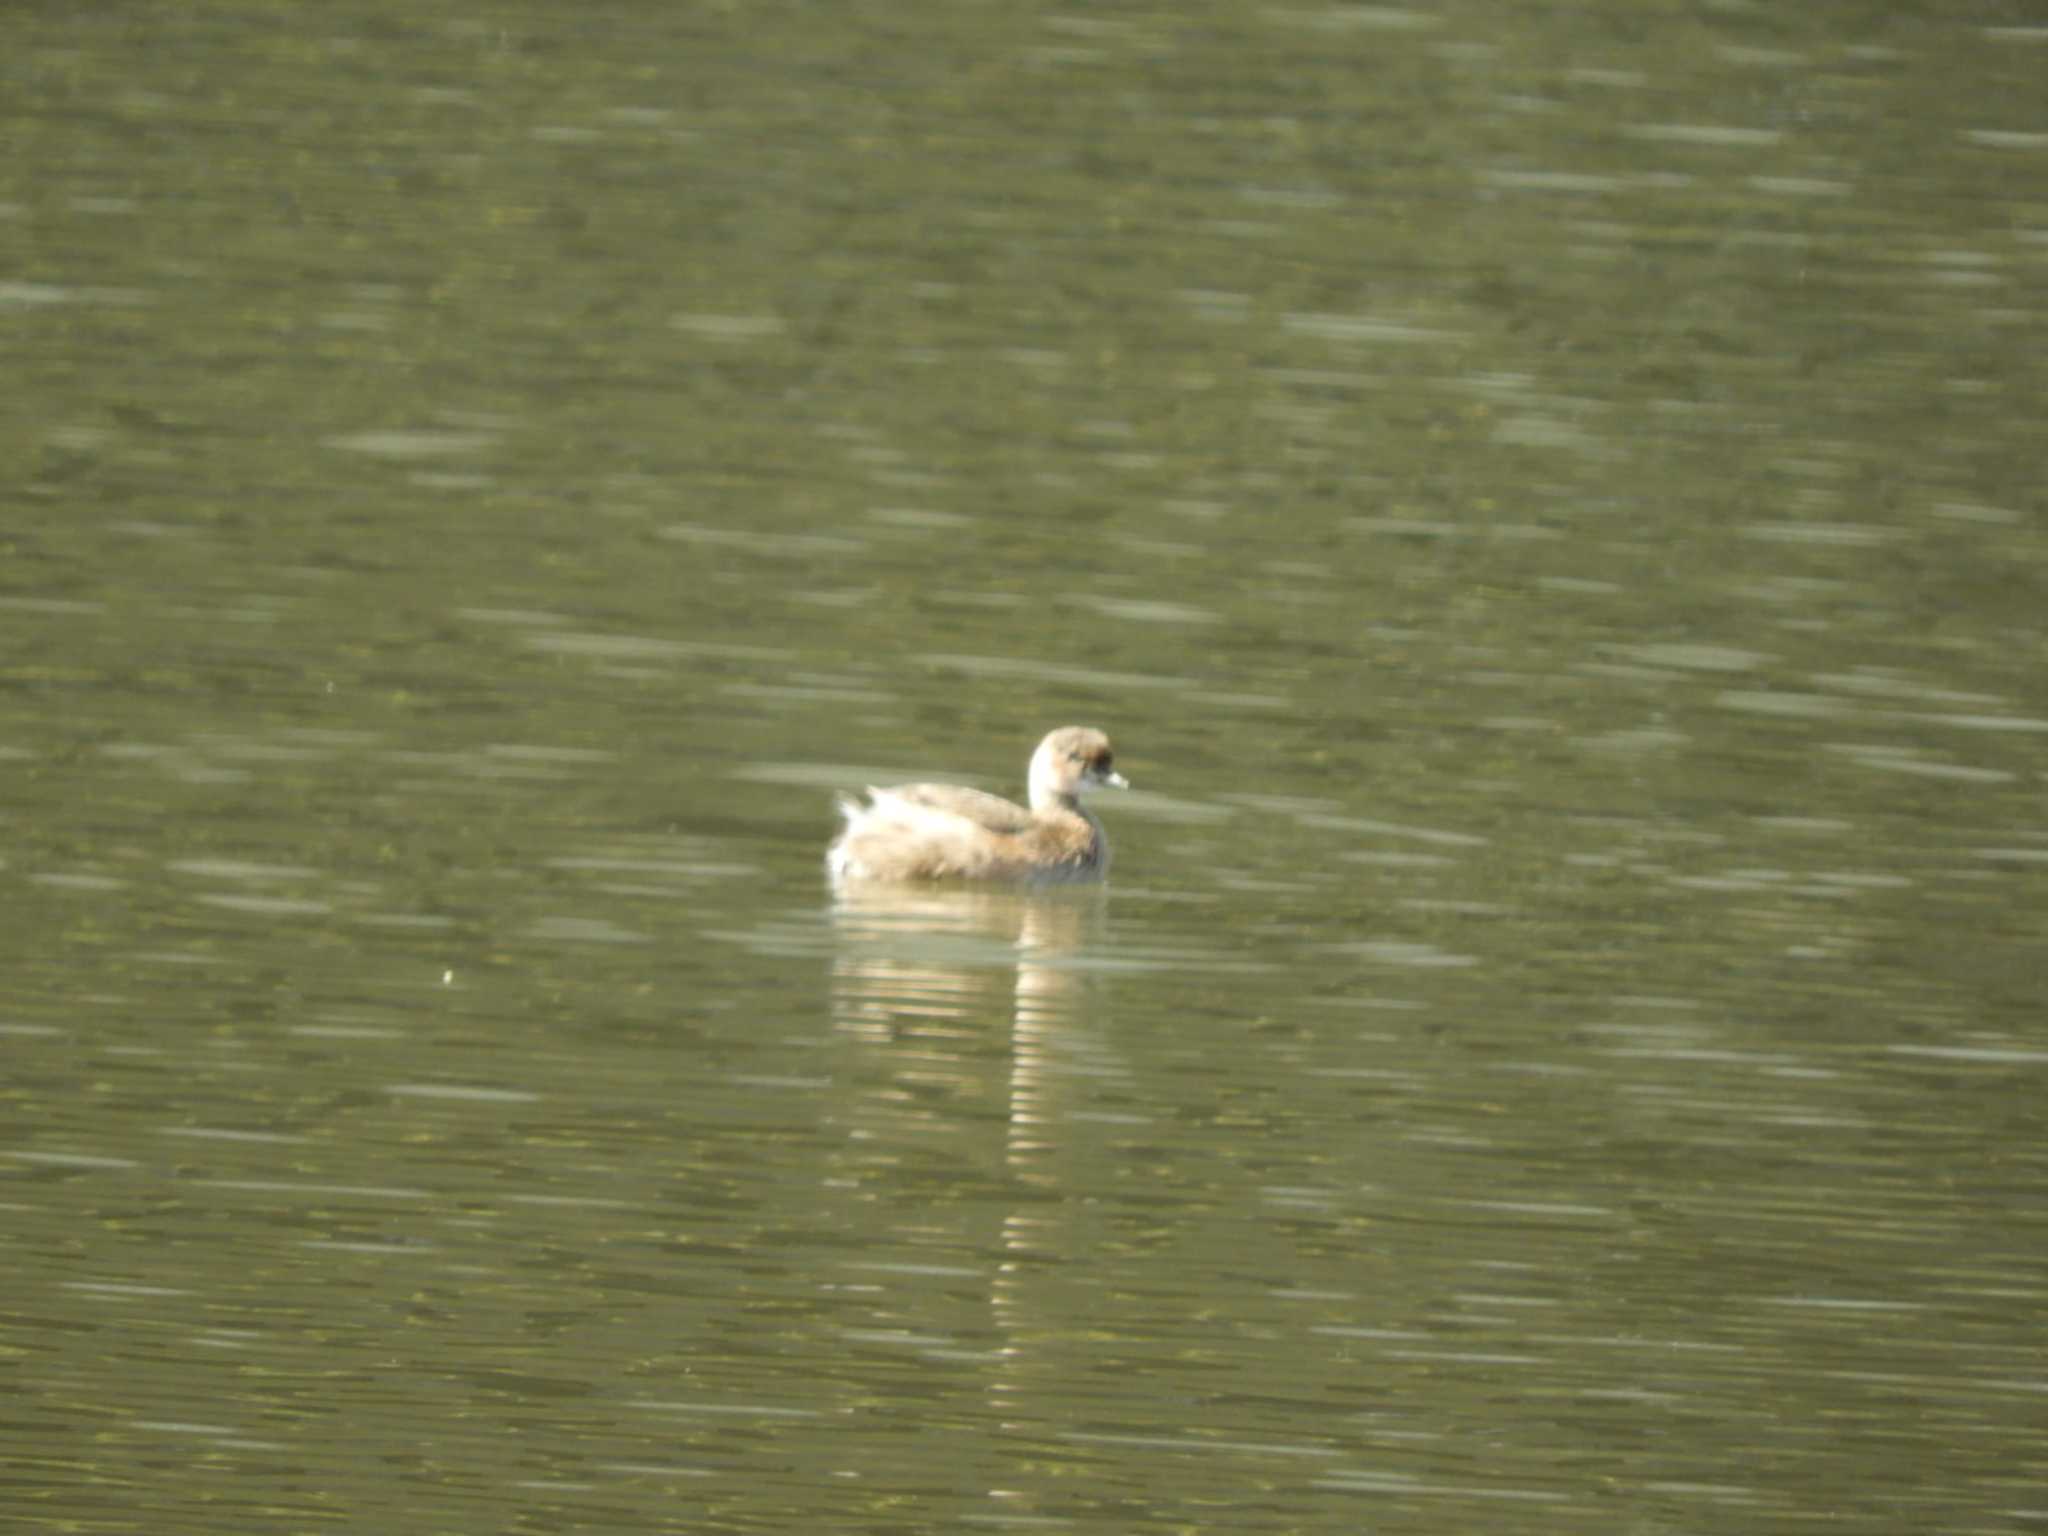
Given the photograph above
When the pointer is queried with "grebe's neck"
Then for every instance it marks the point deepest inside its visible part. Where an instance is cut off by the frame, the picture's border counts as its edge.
(1050, 790)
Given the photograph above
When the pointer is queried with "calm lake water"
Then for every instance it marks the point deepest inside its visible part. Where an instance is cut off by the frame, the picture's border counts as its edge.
(1549, 505)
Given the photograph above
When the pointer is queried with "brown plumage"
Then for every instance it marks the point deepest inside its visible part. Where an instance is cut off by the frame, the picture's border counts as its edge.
(944, 832)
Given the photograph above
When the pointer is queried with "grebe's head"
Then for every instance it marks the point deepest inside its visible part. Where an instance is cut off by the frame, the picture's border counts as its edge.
(1072, 759)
